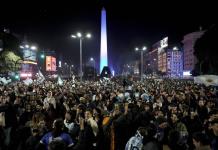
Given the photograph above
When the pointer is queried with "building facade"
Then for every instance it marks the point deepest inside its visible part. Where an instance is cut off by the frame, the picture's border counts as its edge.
(188, 47)
(174, 63)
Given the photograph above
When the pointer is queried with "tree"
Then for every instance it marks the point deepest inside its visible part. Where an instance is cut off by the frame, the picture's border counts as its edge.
(205, 49)
(9, 62)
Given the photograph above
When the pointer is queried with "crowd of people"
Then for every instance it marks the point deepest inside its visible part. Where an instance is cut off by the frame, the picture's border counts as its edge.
(109, 114)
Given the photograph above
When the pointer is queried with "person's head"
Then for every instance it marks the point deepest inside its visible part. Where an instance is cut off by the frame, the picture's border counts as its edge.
(88, 114)
(201, 102)
(49, 94)
(68, 116)
(81, 108)
(147, 132)
(174, 118)
(200, 139)
(58, 126)
(147, 107)
(37, 117)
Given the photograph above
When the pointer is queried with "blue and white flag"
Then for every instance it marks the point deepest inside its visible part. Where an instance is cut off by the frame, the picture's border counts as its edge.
(207, 80)
(40, 77)
(28, 81)
(5, 81)
(60, 81)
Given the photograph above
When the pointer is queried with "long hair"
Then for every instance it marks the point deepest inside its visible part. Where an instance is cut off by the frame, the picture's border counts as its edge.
(58, 126)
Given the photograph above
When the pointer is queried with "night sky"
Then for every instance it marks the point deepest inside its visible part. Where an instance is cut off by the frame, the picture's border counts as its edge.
(130, 23)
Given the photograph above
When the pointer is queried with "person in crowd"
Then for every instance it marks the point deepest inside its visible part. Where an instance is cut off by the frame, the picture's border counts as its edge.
(57, 134)
(201, 141)
(105, 114)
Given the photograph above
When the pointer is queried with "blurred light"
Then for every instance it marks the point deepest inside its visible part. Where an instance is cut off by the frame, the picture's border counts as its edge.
(16, 76)
(136, 48)
(73, 36)
(33, 48)
(65, 63)
(79, 34)
(88, 35)
(72, 66)
(154, 59)
(187, 73)
(175, 48)
(27, 46)
(113, 72)
(42, 56)
(91, 59)
(144, 48)
(26, 74)
(21, 47)
(59, 64)
(149, 64)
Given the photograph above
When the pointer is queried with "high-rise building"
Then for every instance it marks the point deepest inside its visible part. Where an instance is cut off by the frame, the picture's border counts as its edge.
(157, 56)
(170, 62)
(174, 62)
(188, 47)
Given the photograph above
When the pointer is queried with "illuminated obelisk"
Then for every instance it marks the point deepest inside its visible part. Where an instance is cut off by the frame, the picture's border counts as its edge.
(103, 53)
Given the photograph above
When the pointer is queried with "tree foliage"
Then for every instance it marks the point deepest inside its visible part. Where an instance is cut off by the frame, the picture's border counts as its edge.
(9, 62)
(206, 51)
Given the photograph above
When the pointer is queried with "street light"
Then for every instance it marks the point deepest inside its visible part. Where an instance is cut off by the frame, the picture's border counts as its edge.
(175, 48)
(81, 37)
(93, 60)
(33, 47)
(141, 50)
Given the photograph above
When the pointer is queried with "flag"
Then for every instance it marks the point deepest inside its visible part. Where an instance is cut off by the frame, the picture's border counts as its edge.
(207, 80)
(60, 81)
(5, 81)
(40, 77)
(28, 81)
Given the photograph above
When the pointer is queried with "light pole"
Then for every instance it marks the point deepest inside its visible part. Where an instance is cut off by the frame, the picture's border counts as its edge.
(93, 60)
(81, 37)
(141, 50)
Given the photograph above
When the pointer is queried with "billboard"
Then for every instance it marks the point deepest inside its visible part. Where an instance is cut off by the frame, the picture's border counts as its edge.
(53, 63)
(50, 63)
(163, 44)
(29, 54)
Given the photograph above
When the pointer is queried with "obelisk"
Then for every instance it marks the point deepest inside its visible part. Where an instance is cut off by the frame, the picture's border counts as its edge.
(103, 53)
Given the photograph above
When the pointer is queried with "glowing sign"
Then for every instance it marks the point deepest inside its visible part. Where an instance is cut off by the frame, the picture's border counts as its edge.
(29, 54)
(53, 64)
(187, 73)
(26, 75)
(50, 63)
(164, 42)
